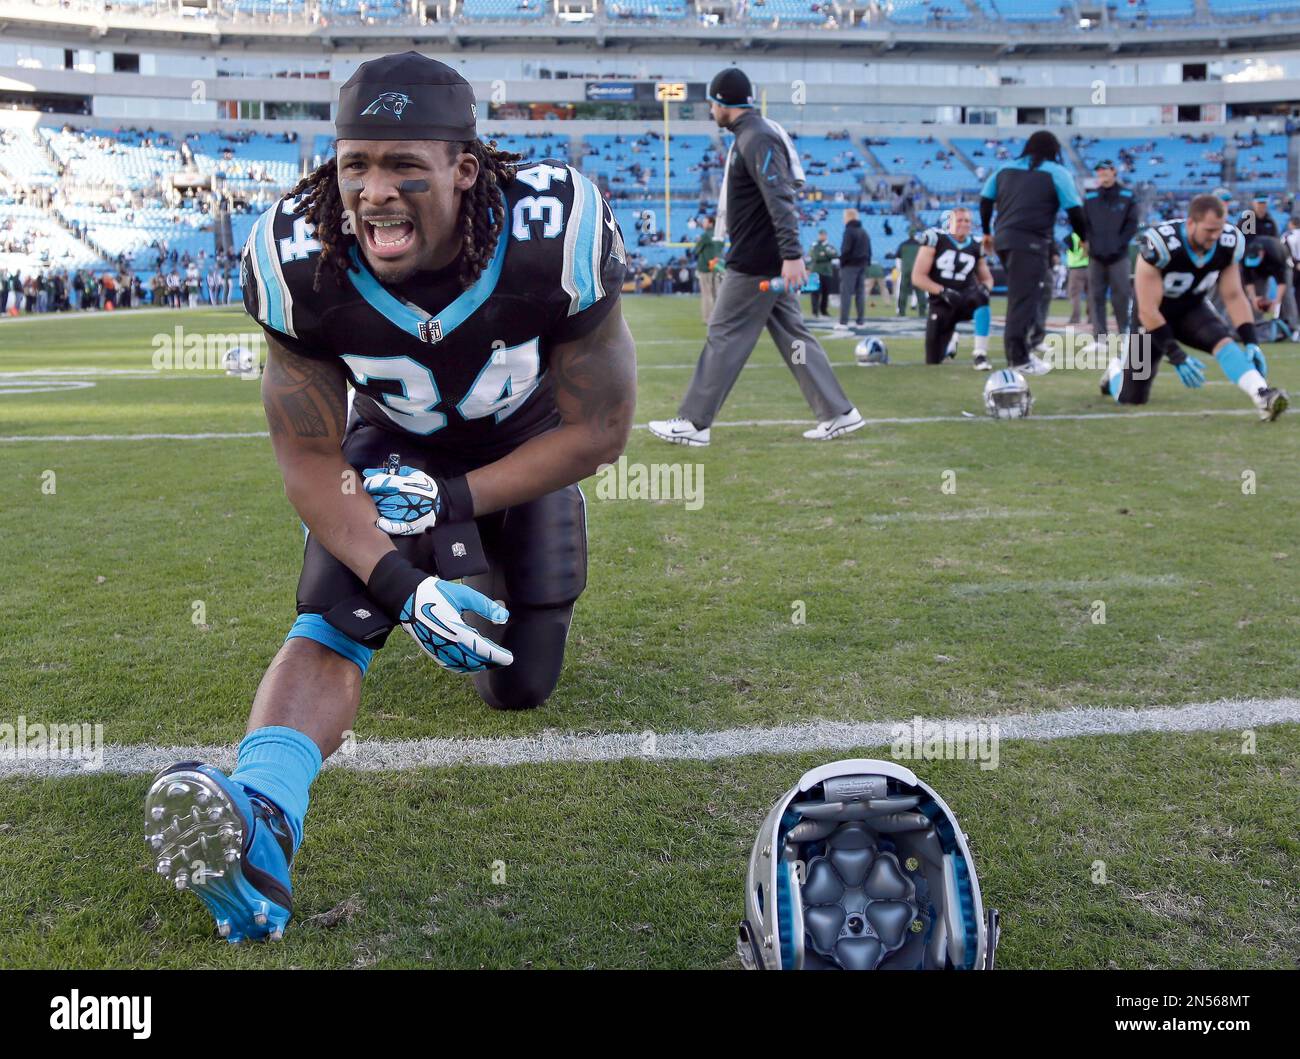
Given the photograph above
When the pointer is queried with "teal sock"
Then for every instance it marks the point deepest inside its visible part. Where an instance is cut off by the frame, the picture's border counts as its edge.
(983, 320)
(1234, 362)
(279, 764)
(1115, 382)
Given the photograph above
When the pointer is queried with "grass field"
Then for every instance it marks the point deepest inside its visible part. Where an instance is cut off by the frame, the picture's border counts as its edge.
(945, 568)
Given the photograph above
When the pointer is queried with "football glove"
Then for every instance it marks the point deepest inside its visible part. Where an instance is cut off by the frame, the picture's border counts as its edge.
(430, 609)
(432, 615)
(1257, 360)
(948, 297)
(1191, 371)
(408, 500)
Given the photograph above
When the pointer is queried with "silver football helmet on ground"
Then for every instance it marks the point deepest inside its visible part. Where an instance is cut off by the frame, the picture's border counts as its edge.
(1007, 396)
(871, 351)
(862, 866)
(241, 363)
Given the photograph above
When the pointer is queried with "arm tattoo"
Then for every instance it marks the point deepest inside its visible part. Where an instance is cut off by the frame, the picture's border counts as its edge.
(595, 379)
(303, 397)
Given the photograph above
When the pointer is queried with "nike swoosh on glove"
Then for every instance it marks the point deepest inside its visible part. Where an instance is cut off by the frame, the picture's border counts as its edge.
(1192, 372)
(409, 502)
(432, 615)
(1256, 356)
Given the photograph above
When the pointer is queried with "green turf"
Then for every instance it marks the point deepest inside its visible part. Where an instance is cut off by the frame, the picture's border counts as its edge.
(917, 600)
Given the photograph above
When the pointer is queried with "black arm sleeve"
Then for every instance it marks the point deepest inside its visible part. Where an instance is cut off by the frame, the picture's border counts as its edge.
(1128, 229)
(986, 214)
(1075, 213)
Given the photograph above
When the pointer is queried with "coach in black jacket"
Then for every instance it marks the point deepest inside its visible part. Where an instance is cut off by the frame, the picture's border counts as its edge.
(1111, 217)
(855, 259)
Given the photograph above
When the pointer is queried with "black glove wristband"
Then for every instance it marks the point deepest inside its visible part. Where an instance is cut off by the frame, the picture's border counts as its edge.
(457, 501)
(1246, 332)
(392, 581)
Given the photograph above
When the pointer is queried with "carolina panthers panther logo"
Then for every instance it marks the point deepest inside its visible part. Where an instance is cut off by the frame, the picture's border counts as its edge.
(390, 102)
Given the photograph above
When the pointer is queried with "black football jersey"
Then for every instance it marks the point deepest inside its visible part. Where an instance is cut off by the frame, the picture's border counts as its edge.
(954, 263)
(465, 370)
(1190, 275)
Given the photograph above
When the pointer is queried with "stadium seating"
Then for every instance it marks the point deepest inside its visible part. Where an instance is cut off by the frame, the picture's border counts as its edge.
(1262, 163)
(788, 12)
(135, 232)
(534, 145)
(1254, 8)
(31, 240)
(1169, 163)
(22, 159)
(919, 157)
(107, 159)
(632, 164)
(496, 10)
(922, 12)
(1029, 10)
(646, 10)
(831, 164)
(1128, 12)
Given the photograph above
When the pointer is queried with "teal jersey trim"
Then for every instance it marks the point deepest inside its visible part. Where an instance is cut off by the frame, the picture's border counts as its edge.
(410, 317)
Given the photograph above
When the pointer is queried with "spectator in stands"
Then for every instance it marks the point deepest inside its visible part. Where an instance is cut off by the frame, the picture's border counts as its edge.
(1111, 219)
(708, 259)
(822, 257)
(855, 257)
(1027, 195)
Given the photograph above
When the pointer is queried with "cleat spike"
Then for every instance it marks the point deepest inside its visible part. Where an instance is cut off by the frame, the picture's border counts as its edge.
(277, 934)
(157, 812)
(260, 919)
(182, 880)
(223, 928)
(177, 790)
(155, 841)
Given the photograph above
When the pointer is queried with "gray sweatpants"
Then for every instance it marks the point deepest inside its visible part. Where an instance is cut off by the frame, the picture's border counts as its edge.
(1114, 277)
(739, 316)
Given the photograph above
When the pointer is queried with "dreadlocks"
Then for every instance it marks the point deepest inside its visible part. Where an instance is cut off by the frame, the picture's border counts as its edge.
(482, 212)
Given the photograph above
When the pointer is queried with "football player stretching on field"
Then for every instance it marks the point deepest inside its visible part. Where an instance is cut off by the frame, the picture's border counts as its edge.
(951, 268)
(472, 304)
(1179, 267)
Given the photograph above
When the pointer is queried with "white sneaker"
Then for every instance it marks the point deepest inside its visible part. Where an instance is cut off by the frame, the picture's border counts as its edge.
(981, 362)
(679, 431)
(1035, 365)
(833, 428)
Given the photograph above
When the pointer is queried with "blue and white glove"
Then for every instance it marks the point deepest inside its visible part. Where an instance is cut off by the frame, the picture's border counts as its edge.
(409, 502)
(431, 610)
(1191, 371)
(432, 615)
(1257, 360)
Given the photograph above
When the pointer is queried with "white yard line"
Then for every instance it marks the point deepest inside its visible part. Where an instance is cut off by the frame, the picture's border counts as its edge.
(899, 421)
(839, 737)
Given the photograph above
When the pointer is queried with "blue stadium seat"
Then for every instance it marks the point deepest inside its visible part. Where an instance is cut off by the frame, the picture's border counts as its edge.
(919, 157)
(789, 12)
(1240, 8)
(498, 10)
(920, 12)
(645, 10)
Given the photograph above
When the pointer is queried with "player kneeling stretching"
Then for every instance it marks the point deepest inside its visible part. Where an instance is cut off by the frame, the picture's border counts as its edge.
(1180, 264)
(950, 266)
(473, 306)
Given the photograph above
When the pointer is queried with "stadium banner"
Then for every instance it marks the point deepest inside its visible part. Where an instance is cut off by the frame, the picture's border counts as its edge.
(606, 91)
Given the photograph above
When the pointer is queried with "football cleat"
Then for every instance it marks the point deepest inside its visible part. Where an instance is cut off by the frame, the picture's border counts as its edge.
(229, 847)
(839, 426)
(1271, 403)
(981, 362)
(679, 431)
(1035, 365)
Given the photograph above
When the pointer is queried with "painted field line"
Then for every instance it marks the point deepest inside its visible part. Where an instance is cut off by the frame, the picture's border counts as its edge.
(900, 421)
(831, 736)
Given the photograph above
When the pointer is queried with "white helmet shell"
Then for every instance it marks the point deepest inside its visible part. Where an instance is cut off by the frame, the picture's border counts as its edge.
(871, 351)
(1007, 396)
(862, 866)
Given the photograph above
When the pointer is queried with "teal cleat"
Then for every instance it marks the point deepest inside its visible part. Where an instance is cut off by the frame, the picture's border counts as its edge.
(230, 847)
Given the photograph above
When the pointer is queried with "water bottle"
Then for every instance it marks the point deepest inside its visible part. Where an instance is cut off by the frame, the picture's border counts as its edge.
(776, 284)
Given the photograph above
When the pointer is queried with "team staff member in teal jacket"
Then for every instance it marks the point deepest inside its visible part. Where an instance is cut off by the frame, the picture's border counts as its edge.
(1027, 195)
